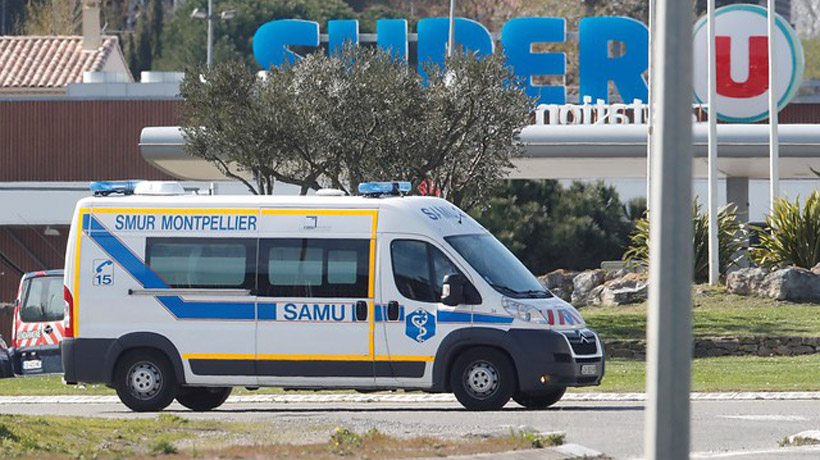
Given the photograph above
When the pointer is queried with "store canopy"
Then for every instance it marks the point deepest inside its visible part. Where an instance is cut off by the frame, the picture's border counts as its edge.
(579, 151)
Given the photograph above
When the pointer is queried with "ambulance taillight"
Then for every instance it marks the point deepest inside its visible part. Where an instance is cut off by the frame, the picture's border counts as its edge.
(68, 318)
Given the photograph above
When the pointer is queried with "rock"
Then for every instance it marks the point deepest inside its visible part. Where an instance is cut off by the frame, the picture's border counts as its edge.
(792, 283)
(630, 288)
(745, 281)
(816, 269)
(584, 283)
(559, 282)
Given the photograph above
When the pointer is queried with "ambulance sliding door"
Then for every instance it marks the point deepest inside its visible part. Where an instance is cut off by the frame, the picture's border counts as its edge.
(315, 298)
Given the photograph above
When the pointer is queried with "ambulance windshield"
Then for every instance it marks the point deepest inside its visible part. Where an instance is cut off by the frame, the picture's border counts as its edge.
(498, 266)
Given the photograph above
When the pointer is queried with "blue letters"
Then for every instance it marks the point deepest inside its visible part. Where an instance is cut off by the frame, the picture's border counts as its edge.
(270, 40)
(433, 35)
(341, 33)
(596, 68)
(391, 36)
(517, 37)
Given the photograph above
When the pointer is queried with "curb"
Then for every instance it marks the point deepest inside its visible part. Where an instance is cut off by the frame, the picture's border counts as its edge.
(422, 398)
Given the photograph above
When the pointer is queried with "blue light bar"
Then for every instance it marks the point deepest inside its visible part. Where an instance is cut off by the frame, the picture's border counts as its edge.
(125, 187)
(384, 188)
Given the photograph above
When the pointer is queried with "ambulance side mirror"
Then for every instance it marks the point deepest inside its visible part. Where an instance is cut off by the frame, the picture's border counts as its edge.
(452, 290)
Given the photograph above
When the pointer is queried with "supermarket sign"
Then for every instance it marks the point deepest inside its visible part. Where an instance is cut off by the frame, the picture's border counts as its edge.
(742, 55)
(742, 63)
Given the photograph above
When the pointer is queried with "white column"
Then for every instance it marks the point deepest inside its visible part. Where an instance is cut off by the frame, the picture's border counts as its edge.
(774, 153)
(714, 249)
(669, 328)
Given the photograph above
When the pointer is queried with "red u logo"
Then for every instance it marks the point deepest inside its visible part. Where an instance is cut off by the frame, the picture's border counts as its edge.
(757, 82)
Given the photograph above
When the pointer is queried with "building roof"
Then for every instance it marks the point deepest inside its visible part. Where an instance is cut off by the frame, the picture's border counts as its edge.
(51, 62)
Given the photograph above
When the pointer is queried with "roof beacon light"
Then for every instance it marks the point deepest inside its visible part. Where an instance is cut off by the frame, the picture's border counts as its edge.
(125, 187)
(376, 189)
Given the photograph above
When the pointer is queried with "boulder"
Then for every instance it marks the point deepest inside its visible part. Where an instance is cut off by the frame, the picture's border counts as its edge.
(559, 282)
(745, 281)
(630, 288)
(792, 283)
(584, 283)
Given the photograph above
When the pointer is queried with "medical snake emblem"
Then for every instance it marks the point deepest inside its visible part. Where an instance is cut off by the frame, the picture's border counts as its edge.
(421, 325)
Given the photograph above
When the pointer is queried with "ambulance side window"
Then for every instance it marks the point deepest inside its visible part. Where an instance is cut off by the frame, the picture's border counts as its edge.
(209, 263)
(419, 269)
(324, 268)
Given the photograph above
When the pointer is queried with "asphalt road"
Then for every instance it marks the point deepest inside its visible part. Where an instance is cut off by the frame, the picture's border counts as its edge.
(720, 429)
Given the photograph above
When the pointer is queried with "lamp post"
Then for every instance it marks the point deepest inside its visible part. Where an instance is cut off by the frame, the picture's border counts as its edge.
(451, 38)
(209, 16)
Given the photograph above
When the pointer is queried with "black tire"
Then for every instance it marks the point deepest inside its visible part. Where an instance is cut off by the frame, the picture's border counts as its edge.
(145, 381)
(201, 399)
(540, 400)
(482, 379)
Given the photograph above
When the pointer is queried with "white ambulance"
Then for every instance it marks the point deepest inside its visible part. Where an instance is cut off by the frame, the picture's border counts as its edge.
(181, 296)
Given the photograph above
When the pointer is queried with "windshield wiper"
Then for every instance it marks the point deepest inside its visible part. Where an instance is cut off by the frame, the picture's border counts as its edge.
(532, 293)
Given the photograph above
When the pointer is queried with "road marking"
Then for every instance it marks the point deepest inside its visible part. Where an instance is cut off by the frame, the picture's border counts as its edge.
(420, 398)
(767, 418)
(787, 451)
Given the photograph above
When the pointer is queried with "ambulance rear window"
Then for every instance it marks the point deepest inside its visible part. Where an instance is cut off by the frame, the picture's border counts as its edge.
(202, 262)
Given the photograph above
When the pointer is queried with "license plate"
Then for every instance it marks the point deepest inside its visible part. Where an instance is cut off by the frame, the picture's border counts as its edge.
(589, 369)
(32, 364)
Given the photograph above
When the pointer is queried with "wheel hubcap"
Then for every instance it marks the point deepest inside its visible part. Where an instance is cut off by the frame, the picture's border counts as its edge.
(481, 379)
(144, 380)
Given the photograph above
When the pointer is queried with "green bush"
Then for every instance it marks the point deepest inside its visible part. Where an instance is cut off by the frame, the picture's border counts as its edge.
(731, 238)
(792, 234)
(550, 226)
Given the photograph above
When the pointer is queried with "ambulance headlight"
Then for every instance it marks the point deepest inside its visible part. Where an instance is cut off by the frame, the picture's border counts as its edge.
(523, 311)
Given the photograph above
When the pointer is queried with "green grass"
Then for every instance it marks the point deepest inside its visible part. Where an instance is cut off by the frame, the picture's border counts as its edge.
(88, 437)
(715, 314)
(85, 437)
(731, 373)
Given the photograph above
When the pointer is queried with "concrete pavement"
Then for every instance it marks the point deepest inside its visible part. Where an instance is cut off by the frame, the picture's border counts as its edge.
(725, 426)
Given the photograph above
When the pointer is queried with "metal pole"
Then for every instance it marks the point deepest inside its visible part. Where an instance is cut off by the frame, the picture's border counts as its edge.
(669, 320)
(774, 153)
(451, 40)
(210, 33)
(651, 20)
(714, 248)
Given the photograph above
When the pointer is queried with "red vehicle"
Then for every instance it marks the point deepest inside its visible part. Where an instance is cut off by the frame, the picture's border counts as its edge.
(38, 323)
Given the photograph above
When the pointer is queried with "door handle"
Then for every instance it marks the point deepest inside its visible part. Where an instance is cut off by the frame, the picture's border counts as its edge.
(392, 311)
(48, 329)
(361, 310)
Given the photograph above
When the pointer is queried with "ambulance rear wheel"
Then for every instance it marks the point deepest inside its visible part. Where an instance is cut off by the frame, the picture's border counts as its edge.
(483, 379)
(201, 399)
(541, 400)
(145, 381)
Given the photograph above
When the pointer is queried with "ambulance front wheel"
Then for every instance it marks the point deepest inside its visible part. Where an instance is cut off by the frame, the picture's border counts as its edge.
(145, 381)
(541, 400)
(201, 399)
(483, 379)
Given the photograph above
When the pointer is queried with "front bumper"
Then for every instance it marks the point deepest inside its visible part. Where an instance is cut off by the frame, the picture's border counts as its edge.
(547, 360)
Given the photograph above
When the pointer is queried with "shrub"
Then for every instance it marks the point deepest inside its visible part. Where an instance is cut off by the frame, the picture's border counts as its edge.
(343, 441)
(162, 447)
(731, 238)
(548, 225)
(792, 236)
